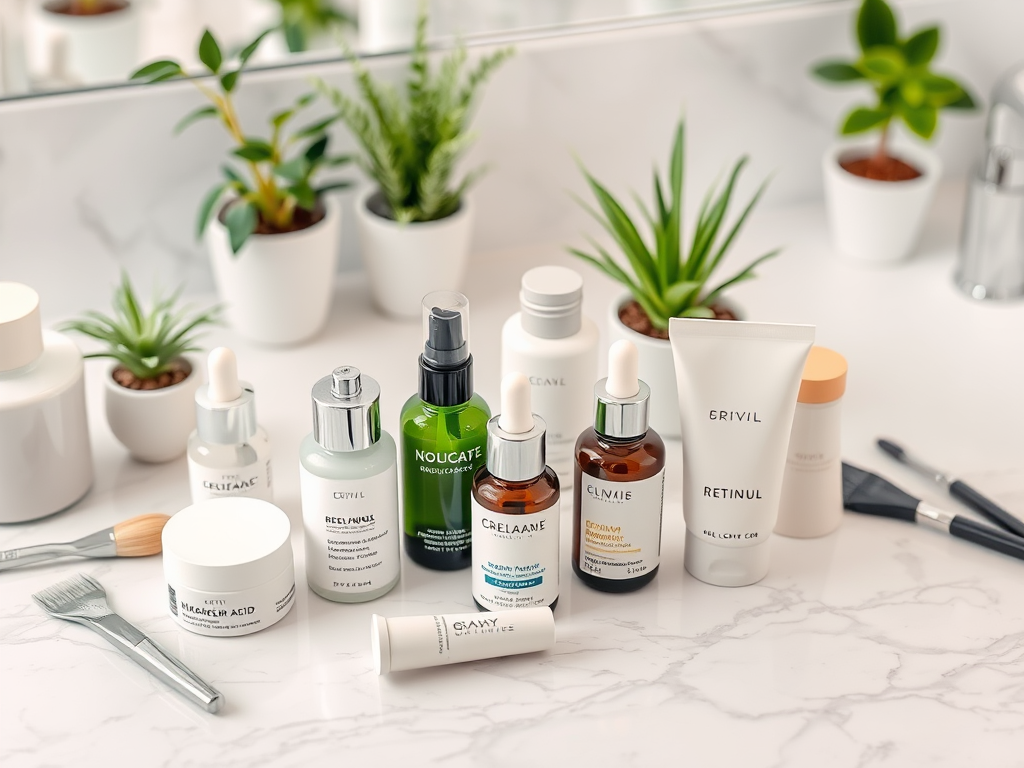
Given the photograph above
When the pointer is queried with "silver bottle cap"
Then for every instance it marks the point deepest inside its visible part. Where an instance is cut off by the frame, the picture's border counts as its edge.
(621, 418)
(225, 407)
(346, 410)
(516, 457)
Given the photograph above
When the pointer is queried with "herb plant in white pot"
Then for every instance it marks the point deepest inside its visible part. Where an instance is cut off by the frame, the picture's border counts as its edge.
(151, 384)
(415, 223)
(274, 243)
(661, 278)
(877, 196)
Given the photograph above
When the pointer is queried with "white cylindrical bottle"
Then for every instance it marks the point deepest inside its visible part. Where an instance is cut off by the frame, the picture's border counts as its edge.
(812, 487)
(349, 484)
(555, 347)
(228, 453)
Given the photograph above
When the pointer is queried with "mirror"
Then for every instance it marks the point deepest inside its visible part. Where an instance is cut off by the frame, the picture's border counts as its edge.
(54, 46)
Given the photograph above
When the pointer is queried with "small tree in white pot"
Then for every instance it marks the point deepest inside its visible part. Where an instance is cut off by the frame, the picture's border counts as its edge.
(877, 197)
(151, 384)
(274, 243)
(415, 224)
(662, 279)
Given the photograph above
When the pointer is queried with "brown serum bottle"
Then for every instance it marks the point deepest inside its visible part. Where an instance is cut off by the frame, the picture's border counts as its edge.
(620, 483)
(515, 509)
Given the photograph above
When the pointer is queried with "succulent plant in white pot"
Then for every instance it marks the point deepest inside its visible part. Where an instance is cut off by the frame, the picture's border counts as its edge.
(274, 242)
(151, 383)
(663, 280)
(416, 221)
(877, 196)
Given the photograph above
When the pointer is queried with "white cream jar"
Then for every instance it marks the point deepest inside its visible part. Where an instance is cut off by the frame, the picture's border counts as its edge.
(228, 566)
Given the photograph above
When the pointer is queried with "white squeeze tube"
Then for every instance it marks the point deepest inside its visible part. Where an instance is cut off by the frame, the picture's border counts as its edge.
(738, 385)
(414, 642)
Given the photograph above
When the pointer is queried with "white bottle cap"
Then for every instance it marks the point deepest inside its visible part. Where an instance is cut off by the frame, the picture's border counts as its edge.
(516, 416)
(226, 407)
(622, 400)
(550, 298)
(516, 445)
(21, 329)
(223, 371)
(726, 566)
(622, 370)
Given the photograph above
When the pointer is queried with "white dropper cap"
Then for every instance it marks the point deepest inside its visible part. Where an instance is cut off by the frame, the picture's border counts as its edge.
(226, 407)
(516, 415)
(223, 366)
(623, 381)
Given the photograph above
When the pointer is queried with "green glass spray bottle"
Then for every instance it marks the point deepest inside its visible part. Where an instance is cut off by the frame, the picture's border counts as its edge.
(444, 439)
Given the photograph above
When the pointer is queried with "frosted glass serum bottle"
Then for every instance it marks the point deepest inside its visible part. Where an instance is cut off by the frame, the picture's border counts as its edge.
(349, 485)
(228, 452)
(515, 509)
(555, 347)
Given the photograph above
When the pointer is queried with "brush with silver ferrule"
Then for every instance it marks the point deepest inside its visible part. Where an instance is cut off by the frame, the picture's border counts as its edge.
(958, 489)
(872, 495)
(83, 600)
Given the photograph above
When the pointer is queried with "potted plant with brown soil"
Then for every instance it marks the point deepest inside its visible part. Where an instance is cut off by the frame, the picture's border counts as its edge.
(877, 196)
(415, 222)
(663, 279)
(150, 386)
(82, 42)
(273, 243)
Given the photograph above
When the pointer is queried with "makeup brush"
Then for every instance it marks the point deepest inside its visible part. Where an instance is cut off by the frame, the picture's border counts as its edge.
(137, 537)
(870, 494)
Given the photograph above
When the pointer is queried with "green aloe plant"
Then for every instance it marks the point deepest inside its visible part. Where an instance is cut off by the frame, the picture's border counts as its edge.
(411, 141)
(278, 176)
(147, 344)
(663, 278)
(899, 71)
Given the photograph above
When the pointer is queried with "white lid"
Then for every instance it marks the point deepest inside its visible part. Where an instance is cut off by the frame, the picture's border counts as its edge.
(21, 329)
(550, 298)
(726, 566)
(380, 642)
(227, 544)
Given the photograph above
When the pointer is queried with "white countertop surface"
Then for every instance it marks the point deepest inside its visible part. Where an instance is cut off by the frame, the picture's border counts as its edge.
(883, 644)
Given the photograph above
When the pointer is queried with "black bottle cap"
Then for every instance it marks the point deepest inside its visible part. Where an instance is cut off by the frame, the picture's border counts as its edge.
(446, 366)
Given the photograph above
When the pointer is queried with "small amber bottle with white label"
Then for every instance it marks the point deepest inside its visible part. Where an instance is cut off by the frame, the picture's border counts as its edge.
(620, 483)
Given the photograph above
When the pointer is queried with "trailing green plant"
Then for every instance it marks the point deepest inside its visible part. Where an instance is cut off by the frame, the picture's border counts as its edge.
(899, 71)
(302, 20)
(412, 140)
(146, 344)
(277, 176)
(663, 278)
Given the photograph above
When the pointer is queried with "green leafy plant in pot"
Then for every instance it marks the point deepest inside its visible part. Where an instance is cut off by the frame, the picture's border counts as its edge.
(273, 243)
(151, 383)
(906, 92)
(665, 277)
(415, 223)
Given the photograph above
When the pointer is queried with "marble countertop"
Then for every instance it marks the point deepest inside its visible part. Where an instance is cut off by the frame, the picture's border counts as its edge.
(883, 644)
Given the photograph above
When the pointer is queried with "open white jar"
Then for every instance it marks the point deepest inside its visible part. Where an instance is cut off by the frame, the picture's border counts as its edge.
(228, 566)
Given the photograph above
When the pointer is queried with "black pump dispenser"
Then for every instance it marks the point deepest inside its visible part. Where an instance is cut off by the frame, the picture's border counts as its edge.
(446, 366)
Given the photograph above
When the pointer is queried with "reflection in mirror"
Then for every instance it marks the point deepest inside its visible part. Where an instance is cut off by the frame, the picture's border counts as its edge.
(66, 45)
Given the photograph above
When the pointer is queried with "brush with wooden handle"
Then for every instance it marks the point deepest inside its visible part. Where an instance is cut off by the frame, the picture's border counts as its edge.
(137, 537)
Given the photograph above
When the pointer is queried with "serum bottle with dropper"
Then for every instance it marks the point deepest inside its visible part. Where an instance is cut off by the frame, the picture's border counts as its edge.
(228, 453)
(620, 483)
(515, 509)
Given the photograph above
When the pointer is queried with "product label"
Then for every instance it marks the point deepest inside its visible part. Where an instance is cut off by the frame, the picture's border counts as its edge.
(252, 480)
(620, 526)
(351, 531)
(515, 558)
(232, 613)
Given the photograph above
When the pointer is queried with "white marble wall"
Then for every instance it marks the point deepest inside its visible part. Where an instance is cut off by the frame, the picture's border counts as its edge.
(92, 183)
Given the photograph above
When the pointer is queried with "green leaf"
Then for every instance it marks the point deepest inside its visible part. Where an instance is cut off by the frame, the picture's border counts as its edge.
(966, 102)
(876, 24)
(863, 119)
(280, 118)
(209, 52)
(314, 129)
(912, 92)
(158, 70)
(240, 221)
(838, 72)
(255, 151)
(250, 49)
(883, 63)
(293, 170)
(921, 47)
(206, 208)
(316, 150)
(700, 311)
(294, 37)
(232, 175)
(229, 79)
(921, 120)
(194, 116)
(332, 186)
(945, 92)
(304, 195)
(681, 295)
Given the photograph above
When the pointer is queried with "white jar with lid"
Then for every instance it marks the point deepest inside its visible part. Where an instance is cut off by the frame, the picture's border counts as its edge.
(812, 487)
(228, 566)
(45, 458)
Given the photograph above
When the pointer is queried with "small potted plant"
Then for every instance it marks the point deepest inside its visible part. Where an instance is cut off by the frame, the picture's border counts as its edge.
(662, 279)
(151, 384)
(877, 196)
(274, 242)
(415, 223)
(308, 25)
(82, 42)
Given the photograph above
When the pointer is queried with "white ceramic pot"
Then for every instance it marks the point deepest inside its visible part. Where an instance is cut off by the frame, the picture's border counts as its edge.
(656, 367)
(277, 289)
(154, 424)
(878, 221)
(81, 50)
(407, 261)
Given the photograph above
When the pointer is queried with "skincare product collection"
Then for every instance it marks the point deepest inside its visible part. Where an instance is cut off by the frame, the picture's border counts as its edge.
(760, 417)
